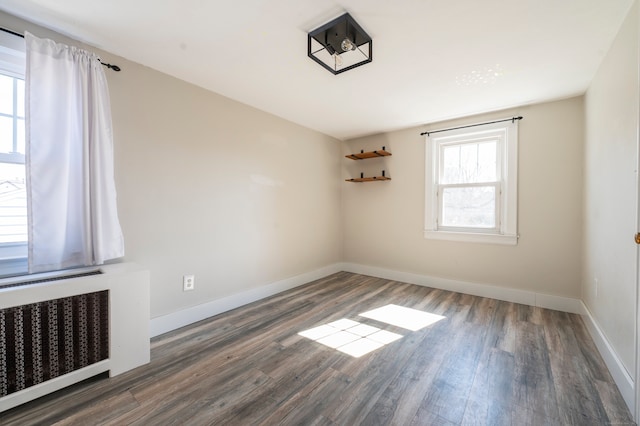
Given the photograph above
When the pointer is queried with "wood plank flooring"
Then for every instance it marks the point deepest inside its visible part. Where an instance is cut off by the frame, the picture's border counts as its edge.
(486, 363)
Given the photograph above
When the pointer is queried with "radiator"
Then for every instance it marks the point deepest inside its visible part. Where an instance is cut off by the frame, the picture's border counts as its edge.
(44, 340)
(57, 331)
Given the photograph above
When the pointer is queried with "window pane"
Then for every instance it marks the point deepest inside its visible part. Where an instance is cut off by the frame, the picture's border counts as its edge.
(6, 94)
(13, 203)
(469, 207)
(451, 164)
(469, 163)
(487, 162)
(6, 134)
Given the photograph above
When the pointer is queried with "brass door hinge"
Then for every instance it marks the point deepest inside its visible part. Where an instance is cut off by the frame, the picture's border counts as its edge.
(637, 238)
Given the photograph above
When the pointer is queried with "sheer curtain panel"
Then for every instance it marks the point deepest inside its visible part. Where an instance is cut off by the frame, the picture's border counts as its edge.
(71, 193)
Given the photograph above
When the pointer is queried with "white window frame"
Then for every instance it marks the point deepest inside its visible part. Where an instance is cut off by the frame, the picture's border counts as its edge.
(13, 256)
(506, 230)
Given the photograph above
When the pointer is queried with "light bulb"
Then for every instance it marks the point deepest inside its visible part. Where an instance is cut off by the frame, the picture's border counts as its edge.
(347, 45)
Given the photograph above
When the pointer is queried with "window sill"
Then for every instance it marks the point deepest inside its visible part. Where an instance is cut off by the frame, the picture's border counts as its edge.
(13, 266)
(471, 237)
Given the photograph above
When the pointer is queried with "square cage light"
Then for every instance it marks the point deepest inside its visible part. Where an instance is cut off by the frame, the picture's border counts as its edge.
(340, 45)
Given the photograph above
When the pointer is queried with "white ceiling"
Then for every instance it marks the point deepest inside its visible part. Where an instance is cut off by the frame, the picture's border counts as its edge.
(426, 53)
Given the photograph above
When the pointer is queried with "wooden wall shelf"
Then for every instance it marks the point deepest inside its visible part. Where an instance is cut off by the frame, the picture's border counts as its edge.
(369, 179)
(371, 154)
(364, 156)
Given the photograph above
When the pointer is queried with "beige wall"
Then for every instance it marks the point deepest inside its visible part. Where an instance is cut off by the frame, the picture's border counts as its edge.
(611, 193)
(384, 221)
(211, 187)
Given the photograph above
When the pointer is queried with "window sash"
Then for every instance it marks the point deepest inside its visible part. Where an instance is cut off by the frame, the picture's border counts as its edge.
(471, 229)
(441, 146)
(441, 187)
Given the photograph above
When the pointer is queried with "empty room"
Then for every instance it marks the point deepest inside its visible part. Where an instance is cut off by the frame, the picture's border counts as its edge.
(294, 212)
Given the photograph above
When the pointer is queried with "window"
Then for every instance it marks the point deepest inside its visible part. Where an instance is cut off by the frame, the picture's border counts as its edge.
(69, 137)
(471, 184)
(13, 200)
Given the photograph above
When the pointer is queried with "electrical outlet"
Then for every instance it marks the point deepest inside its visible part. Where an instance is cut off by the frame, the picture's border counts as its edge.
(188, 282)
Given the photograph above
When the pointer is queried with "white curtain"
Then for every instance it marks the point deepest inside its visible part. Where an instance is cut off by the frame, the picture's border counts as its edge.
(71, 191)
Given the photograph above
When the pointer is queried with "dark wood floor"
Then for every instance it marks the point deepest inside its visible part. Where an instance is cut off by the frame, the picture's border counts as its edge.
(486, 363)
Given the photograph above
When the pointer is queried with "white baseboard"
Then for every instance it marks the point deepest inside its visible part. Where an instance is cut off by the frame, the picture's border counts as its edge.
(619, 373)
(558, 303)
(175, 320)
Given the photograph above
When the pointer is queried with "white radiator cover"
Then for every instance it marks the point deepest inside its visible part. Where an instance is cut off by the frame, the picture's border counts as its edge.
(129, 312)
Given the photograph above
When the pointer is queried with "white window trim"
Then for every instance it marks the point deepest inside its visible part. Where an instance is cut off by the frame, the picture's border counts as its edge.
(507, 233)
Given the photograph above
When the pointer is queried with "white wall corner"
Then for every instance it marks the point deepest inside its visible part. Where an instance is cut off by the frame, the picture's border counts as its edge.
(175, 320)
(619, 373)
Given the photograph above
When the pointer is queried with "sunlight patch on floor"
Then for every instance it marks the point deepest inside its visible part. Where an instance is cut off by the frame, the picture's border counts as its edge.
(400, 316)
(357, 339)
(350, 337)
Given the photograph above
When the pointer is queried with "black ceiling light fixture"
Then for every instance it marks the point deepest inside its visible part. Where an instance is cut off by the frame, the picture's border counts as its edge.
(340, 45)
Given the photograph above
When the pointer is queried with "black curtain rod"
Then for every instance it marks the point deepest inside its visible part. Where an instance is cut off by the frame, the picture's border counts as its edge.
(512, 119)
(110, 66)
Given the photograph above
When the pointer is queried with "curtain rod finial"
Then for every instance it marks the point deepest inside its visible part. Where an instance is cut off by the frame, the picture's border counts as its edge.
(110, 66)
